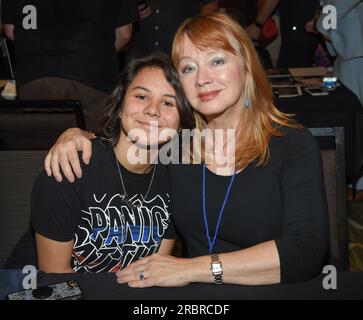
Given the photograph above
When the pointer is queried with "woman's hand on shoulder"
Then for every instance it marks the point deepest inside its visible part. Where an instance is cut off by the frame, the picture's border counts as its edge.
(64, 154)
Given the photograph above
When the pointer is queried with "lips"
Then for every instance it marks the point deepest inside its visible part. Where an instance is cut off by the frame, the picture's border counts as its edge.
(147, 124)
(209, 95)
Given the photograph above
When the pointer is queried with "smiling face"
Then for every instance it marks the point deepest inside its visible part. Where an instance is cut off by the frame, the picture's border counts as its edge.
(219, 69)
(149, 105)
(213, 80)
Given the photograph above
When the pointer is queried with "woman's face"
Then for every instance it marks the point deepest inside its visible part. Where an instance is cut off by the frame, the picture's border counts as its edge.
(213, 80)
(149, 106)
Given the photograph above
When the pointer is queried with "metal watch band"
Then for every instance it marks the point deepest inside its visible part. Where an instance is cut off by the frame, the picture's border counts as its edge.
(214, 257)
(218, 279)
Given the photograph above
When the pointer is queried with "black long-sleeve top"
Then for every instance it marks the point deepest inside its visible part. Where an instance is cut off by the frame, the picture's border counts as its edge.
(283, 201)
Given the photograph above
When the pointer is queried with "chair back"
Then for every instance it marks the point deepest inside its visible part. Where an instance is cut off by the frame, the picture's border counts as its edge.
(331, 141)
(18, 169)
(27, 130)
(35, 125)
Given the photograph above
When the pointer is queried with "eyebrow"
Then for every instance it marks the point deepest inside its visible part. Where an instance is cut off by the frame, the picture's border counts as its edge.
(209, 53)
(148, 90)
(186, 57)
(169, 96)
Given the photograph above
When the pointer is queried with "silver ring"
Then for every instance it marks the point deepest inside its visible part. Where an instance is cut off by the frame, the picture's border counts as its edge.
(141, 276)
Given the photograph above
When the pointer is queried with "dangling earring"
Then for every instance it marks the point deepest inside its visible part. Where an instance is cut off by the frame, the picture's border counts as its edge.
(247, 102)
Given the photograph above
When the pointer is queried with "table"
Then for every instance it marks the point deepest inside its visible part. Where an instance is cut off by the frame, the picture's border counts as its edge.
(341, 108)
(104, 286)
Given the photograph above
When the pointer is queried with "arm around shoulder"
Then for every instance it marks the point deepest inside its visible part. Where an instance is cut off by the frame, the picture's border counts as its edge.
(64, 154)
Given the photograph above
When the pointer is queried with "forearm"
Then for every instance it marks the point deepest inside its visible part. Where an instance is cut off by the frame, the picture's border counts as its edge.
(54, 256)
(75, 132)
(123, 36)
(47, 269)
(210, 8)
(266, 10)
(166, 246)
(9, 31)
(257, 265)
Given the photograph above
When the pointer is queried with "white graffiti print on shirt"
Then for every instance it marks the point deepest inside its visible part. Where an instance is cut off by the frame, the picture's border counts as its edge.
(110, 235)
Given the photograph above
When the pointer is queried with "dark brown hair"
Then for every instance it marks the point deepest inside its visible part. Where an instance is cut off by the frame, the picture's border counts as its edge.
(112, 123)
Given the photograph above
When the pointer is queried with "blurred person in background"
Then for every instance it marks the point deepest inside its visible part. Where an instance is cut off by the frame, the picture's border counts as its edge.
(346, 44)
(297, 45)
(159, 20)
(252, 15)
(72, 52)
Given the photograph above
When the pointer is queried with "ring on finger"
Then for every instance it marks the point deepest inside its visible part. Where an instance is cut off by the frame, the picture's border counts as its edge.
(142, 276)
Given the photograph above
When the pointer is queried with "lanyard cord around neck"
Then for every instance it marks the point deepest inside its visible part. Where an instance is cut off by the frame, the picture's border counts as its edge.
(212, 243)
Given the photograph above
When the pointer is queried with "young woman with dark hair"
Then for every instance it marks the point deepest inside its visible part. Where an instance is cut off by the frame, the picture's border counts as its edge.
(119, 211)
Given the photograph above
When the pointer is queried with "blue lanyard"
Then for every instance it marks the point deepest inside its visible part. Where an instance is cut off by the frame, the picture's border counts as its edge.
(212, 243)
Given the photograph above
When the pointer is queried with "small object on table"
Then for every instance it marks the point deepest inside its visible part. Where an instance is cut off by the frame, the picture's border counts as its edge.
(316, 91)
(9, 91)
(310, 82)
(68, 290)
(287, 91)
(308, 72)
(42, 292)
(330, 79)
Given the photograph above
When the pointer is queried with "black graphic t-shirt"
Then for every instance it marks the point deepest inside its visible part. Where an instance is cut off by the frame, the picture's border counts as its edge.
(108, 234)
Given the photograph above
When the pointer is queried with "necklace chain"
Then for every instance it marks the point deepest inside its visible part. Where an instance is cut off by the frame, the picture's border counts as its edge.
(125, 195)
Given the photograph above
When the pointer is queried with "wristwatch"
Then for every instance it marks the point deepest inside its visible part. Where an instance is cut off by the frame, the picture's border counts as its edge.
(216, 268)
